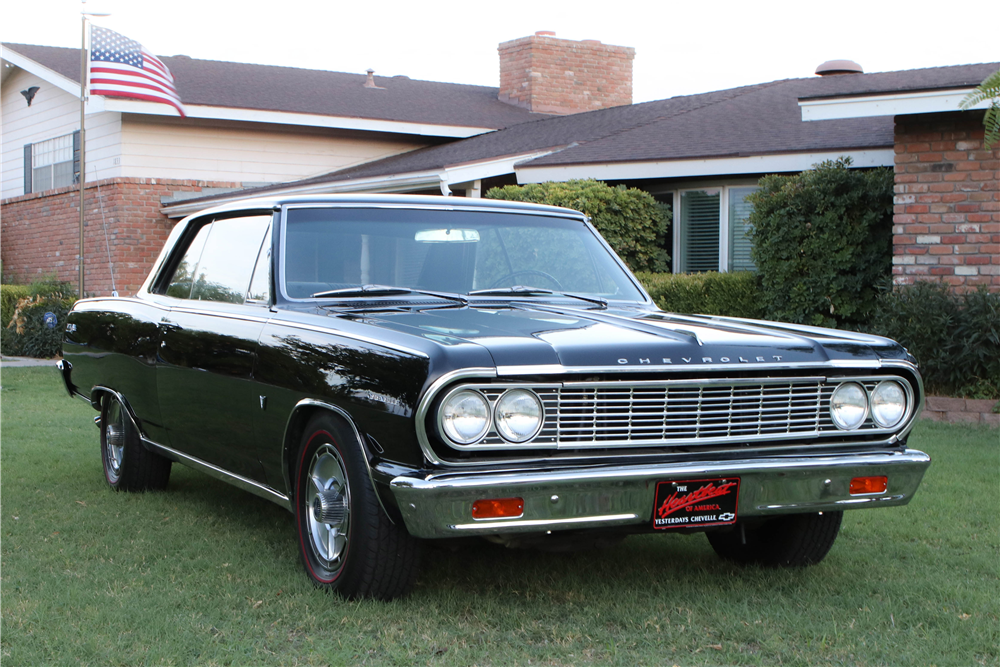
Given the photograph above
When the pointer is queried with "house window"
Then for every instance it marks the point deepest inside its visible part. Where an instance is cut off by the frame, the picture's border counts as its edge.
(53, 163)
(711, 230)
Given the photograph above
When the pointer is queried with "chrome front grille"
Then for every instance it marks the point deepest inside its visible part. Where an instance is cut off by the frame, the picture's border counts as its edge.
(580, 415)
(639, 414)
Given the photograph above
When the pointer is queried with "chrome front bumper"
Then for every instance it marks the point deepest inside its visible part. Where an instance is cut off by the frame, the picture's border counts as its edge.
(440, 505)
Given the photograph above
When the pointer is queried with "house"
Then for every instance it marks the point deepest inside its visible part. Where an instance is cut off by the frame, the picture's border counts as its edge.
(550, 119)
(704, 154)
(246, 125)
(946, 218)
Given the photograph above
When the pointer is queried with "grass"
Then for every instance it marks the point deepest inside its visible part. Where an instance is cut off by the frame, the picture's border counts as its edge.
(204, 574)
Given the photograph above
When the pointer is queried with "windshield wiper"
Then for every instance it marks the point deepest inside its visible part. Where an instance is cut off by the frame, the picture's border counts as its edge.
(384, 290)
(525, 290)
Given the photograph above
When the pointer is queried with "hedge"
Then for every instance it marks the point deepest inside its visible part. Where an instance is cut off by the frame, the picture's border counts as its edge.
(27, 331)
(822, 243)
(630, 220)
(955, 337)
(730, 294)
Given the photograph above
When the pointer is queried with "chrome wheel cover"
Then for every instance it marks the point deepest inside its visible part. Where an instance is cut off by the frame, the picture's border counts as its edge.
(327, 484)
(114, 440)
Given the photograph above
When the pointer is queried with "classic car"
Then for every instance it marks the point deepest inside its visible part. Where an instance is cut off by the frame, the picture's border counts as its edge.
(394, 369)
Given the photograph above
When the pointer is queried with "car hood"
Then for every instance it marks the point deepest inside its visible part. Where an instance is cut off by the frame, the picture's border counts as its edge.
(540, 334)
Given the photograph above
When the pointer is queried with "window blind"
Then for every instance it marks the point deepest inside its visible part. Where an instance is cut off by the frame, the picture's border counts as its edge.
(699, 240)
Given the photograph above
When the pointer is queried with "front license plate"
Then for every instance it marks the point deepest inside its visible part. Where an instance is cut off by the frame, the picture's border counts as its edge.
(696, 502)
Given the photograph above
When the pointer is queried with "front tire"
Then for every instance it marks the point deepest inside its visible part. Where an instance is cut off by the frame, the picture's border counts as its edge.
(794, 540)
(128, 466)
(346, 540)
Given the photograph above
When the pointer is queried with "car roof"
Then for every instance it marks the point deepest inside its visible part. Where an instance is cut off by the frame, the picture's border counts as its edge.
(405, 201)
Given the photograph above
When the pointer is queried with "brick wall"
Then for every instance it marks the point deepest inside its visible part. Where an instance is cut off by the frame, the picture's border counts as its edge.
(946, 222)
(561, 76)
(40, 232)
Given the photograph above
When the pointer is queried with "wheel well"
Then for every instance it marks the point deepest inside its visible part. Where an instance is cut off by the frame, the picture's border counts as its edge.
(302, 415)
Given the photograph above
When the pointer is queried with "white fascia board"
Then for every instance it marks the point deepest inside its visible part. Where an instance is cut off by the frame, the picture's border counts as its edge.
(755, 164)
(285, 118)
(896, 104)
(474, 171)
(41, 71)
(404, 183)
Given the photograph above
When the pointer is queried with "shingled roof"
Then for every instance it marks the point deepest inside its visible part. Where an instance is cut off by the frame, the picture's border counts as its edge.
(758, 120)
(289, 89)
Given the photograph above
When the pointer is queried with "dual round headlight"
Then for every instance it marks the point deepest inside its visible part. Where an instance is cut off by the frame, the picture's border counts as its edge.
(850, 405)
(466, 416)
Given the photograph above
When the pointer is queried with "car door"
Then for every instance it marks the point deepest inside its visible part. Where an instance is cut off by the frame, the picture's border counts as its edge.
(208, 344)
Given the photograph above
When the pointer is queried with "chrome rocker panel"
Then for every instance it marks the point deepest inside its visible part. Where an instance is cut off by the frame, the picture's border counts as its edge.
(440, 505)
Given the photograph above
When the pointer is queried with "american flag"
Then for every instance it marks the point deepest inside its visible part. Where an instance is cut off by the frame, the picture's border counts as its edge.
(121, 67)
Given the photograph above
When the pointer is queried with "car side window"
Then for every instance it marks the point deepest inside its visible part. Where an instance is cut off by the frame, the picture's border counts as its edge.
(218, 264)
(260, 284)
(180, 284)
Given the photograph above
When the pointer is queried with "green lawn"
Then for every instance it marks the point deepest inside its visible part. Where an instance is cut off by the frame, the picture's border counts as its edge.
(205, 574)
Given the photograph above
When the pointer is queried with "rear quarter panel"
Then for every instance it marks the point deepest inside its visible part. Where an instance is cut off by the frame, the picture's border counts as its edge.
(113, 343)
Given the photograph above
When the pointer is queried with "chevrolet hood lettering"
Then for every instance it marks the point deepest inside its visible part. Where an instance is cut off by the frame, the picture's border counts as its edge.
(543, 335)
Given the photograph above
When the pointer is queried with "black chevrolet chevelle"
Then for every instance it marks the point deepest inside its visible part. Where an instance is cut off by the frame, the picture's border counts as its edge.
(391, 369)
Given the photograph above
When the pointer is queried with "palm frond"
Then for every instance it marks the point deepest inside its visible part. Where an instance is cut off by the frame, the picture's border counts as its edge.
(988, 89)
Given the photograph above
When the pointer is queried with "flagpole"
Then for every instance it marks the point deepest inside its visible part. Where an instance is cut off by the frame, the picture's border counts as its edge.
(84, 61)
(83, 134)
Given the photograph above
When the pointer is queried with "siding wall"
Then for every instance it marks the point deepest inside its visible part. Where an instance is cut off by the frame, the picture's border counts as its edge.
(53, 112)
(164, 147)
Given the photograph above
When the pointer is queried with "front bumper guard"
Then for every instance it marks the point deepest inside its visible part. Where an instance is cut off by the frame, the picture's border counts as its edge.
(440, 504)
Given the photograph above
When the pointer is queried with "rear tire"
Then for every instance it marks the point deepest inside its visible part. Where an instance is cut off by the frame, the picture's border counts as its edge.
(346, 540)
(794, 540)
(128, 466)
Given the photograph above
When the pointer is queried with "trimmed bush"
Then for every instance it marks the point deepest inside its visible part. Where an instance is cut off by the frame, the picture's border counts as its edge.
(28, 332)
(822, 243)
(630, 220)
(730, 294)
(955, 337)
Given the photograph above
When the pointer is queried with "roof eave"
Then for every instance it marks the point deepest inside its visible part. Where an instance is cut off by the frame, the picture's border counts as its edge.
(885, 104)
(41, 71)
(195, 111)
(716, 166)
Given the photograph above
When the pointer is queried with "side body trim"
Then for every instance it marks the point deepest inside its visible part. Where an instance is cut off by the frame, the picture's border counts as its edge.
(238, 481)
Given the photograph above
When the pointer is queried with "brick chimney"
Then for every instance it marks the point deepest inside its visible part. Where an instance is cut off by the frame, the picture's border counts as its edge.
(560, 76)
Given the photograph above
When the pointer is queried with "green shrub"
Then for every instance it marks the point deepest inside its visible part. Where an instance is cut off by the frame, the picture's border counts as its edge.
(955, 337)
(731, 294)
(822, 243)
(26, 332)
(630, 220)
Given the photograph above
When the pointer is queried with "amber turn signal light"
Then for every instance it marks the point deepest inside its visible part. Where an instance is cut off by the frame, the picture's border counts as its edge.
(497, 508)
(863, 485)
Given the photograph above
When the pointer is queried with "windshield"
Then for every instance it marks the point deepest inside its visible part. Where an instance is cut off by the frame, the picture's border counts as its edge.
(328, 249)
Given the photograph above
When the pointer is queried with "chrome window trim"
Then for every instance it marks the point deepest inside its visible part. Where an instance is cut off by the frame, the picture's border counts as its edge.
(894, 435)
